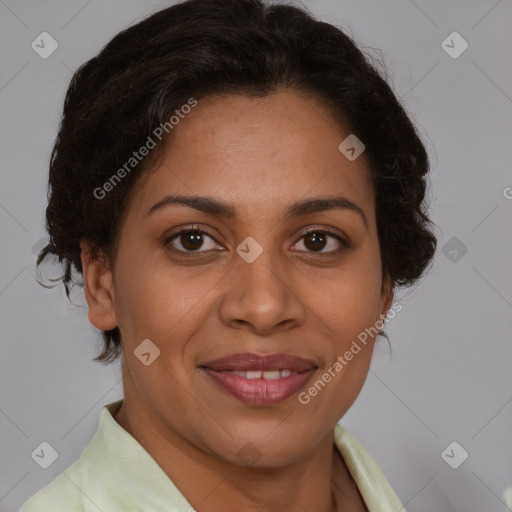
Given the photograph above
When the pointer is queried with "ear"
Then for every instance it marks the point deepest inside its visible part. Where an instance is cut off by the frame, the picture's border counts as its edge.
(98, 287)
(386, 298)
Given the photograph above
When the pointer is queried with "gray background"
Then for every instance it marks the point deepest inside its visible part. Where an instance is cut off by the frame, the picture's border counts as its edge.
(449, 378)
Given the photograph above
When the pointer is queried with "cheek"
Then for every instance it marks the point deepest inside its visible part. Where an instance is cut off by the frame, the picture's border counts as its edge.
(348, 301)
(143, 292)
(158, 301)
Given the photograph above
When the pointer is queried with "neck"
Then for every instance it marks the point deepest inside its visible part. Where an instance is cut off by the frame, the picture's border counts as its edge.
(320, 481)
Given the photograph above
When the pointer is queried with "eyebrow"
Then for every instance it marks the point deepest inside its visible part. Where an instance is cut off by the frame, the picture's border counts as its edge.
(222, 209)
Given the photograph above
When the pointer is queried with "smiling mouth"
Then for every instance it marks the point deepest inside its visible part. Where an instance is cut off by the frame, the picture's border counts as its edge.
(259, 388)
(259, 380)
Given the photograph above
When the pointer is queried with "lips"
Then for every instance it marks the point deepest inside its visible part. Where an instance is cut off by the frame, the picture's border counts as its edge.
(245, 362)
(260, 380)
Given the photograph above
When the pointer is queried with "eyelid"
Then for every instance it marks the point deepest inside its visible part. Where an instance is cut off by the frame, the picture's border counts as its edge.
(341, 237)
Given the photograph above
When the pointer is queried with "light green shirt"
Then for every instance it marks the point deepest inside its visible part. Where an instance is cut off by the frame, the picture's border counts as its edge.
(116, 474)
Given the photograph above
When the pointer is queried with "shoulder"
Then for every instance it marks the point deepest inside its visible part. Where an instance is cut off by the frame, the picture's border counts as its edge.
(81, 486)
(62, 494)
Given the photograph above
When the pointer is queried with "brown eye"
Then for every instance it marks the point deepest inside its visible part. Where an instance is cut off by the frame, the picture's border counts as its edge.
(191, 240)
(317, 240)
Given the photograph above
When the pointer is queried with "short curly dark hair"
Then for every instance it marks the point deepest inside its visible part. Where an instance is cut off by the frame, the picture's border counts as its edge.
(203, 47)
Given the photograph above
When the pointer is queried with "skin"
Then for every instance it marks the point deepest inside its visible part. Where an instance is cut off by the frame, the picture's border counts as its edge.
(259, 155)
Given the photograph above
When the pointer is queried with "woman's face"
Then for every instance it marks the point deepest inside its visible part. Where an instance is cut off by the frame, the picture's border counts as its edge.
(253, 283)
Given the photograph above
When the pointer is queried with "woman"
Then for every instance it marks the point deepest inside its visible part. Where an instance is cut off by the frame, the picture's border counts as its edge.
(241, 192)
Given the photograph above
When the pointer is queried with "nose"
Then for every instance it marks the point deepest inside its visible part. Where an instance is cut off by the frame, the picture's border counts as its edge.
(263, 296)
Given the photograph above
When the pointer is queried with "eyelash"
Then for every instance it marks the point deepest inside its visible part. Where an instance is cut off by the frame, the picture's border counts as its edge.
(197, 229)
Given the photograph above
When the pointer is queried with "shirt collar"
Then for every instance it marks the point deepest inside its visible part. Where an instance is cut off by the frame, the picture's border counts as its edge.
(373, 485)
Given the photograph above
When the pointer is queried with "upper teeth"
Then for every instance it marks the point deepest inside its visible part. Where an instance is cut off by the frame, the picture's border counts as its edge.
(269, 375)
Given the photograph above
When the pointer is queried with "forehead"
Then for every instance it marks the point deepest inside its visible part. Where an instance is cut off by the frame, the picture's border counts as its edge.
(258, 154)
